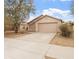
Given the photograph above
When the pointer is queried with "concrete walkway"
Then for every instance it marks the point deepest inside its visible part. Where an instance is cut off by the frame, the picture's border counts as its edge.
(60, 52)
(35, 46)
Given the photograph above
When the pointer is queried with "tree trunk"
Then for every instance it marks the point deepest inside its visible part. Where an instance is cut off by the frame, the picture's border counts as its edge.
(16, 29)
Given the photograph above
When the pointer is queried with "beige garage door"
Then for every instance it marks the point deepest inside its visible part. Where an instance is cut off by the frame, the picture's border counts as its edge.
(47, 27)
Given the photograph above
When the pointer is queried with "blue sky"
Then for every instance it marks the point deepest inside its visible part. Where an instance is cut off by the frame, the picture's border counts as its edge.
(56, 8)
(45, 4)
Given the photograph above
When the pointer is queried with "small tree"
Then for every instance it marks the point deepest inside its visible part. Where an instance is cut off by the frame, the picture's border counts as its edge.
(18, 10)
(66, 29)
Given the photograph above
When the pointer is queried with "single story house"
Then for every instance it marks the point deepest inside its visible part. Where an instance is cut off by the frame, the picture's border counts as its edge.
(44, 23)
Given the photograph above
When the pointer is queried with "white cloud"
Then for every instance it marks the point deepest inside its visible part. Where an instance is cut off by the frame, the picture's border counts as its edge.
(52, 11)
(58, 13)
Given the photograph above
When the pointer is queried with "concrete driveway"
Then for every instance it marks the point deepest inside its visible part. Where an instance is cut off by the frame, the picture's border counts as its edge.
(18, 49)
(32, 46)
(35, 46)
(38, 37)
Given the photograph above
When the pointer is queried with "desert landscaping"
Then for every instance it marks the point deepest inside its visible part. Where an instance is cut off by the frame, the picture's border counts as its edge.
(59, 40)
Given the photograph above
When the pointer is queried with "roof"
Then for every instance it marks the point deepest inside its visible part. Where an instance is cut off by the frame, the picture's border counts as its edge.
(40, 17)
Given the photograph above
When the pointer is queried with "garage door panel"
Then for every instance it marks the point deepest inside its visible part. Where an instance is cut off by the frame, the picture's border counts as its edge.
(47, 27)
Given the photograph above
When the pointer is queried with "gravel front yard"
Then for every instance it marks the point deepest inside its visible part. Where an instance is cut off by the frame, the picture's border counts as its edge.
(59, 40)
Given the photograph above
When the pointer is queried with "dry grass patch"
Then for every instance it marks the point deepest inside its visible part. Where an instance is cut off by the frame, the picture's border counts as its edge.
(63, 41)
(12, 34)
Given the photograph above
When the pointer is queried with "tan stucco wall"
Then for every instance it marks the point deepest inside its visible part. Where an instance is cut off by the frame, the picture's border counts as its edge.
(48, 20)
(34, 26)
(31, 27)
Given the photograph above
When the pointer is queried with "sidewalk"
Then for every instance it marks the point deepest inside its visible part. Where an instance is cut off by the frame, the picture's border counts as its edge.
(60, 52)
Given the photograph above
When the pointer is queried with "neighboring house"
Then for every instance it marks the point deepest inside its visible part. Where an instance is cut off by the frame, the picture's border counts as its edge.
(44, 23)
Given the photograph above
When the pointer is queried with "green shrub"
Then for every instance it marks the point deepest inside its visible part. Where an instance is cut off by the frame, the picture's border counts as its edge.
(66, 30)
